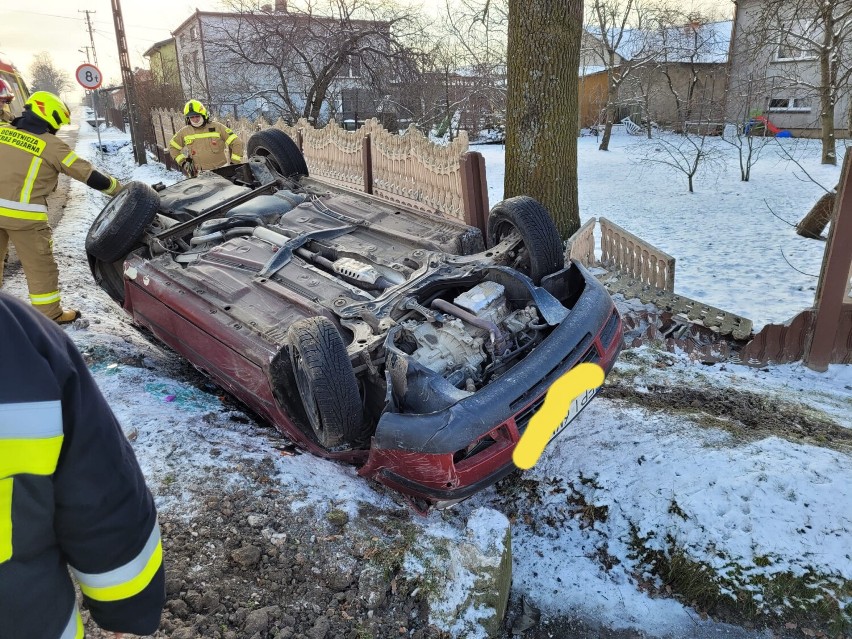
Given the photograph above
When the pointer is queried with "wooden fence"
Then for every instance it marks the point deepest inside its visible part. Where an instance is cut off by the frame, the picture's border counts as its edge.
(405, 169)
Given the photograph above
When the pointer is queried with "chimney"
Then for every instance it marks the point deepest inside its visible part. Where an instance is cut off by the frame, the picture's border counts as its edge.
(280, 6)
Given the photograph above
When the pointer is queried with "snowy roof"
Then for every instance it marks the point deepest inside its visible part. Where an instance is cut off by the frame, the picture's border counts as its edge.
(696, 43)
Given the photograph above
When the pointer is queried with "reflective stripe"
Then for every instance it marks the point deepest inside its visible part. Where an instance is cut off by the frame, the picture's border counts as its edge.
(20, 206)
(31, 420)
(189, 138)
(21, 215)
(45, 298)
(74, 628)
(6, 519)
(175, 144)
(231, 138)
(236, 158)
(30, 438)
(70, 159)
(180, 158)
(113, 185)
(127, 580)
(35, 165)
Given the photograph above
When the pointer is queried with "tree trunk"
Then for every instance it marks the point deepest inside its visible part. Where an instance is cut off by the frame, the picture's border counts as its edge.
(826, 114)
(542, 106)
(610, 118)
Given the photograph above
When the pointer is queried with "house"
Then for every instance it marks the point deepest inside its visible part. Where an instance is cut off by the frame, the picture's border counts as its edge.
(163, 62)
(776, 67)
(274, 62)
(674, 76)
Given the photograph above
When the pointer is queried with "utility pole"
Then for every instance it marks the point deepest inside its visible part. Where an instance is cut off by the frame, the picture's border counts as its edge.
(129, 86)
(86, 51)
(91, 37)
(95, 95)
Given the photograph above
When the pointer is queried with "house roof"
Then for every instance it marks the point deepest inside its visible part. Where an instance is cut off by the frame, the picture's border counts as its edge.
(156, 46)
(694, 43)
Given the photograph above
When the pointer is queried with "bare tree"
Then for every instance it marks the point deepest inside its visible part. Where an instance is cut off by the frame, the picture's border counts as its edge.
(301, 59)
(748, 139)
(693, 147)
(811, 42)
(618, 26)
(46, 76)
(541, 123)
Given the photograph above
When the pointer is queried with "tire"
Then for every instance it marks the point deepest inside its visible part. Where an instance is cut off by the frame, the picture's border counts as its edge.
(109, 276)
(326, 383)
(277, 147)
(540, 254)
(120, 225)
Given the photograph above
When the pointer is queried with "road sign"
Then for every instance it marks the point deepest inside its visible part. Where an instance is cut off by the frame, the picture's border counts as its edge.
(89, 76)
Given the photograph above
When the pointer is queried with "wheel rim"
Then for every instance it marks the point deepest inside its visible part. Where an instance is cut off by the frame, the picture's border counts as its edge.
(108, 214)
(520, 255)
(266, 154)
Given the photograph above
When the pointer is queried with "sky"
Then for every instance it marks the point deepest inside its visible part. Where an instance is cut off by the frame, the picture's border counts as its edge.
(59, 27)
(739, 500)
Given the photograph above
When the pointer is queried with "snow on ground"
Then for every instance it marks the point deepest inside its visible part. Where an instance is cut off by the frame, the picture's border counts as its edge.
(735, 501)
(730, 248)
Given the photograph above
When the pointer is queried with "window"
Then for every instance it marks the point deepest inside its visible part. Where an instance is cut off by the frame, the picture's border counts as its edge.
(796, 41)
(351, 68)
(193, 33)
(790, 105)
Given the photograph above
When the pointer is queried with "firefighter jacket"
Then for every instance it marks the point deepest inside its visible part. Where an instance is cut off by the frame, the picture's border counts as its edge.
(206, 145)
(32, 159)
(71, 495)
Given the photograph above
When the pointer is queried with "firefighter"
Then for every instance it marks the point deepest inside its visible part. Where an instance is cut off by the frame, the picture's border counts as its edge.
(6, 97)
(31, 159)
(203, 142)
(72, 495)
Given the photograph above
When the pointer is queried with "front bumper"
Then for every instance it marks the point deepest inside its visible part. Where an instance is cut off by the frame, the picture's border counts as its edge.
(453, 453)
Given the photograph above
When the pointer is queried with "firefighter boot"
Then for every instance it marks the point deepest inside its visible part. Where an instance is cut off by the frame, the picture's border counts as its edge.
(67, 316)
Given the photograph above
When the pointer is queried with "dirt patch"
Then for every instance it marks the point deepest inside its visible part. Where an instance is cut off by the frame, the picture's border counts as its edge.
(248, 567)
(749, 416)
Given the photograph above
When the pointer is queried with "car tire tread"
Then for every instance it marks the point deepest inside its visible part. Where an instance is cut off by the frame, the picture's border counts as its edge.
(333, 384)
(537, 229)
(110, 240)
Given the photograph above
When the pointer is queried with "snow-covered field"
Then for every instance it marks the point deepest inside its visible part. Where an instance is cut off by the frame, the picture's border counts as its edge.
(731, 251)
(760, 507)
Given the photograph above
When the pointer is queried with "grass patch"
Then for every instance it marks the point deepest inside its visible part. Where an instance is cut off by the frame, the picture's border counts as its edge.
(743, 594)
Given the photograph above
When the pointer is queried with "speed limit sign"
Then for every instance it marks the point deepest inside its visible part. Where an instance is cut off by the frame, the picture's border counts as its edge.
(89, 76)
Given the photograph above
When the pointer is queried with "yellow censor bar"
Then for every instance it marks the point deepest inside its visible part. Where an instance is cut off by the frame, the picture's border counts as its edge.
(555, 411)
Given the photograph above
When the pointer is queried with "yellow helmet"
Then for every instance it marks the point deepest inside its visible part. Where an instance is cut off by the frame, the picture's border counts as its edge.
(49, 108)
(194, 107)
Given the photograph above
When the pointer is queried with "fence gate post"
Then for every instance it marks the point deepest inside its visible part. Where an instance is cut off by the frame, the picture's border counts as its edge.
(367, 162)
(474, 191)
(834, 284)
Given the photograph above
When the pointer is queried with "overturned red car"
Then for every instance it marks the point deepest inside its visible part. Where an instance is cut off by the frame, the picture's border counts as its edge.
(399, 341)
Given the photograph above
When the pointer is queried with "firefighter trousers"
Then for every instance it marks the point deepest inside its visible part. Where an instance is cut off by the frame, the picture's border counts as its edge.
(33, 242)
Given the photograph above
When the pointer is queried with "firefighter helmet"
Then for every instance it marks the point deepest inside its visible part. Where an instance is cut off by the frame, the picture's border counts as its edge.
(6, 94)
(49, 108)
(194, 107)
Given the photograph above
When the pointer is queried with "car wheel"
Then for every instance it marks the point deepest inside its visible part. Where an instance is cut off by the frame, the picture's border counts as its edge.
(121, 223)
(277, 147)
(109, 276)
(326, 383)
(540, 252)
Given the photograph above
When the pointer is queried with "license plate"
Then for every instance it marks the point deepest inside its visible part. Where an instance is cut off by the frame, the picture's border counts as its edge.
(577, 405)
